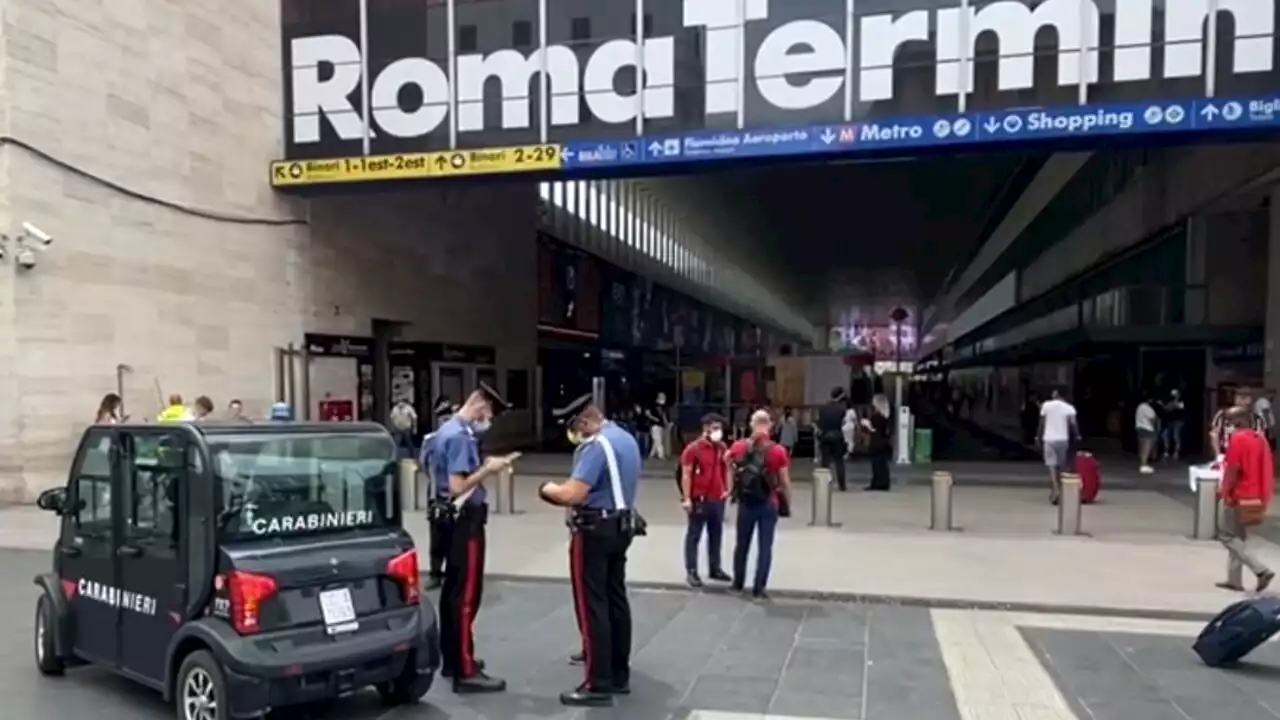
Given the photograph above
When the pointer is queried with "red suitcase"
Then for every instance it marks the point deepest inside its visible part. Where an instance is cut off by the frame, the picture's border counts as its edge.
(1090, 472)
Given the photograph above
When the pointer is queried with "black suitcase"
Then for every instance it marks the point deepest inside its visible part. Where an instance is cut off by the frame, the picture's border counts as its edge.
(1237, 630)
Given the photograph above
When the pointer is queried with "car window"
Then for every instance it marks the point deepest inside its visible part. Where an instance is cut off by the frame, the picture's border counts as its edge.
(154, 468)
(282, 485)
(92, 477)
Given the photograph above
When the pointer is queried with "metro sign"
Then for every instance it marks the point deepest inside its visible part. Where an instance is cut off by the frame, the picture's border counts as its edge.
(798, 65)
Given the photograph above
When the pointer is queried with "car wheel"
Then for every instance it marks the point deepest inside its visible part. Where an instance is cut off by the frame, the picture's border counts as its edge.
(200, 693)
(47, 659)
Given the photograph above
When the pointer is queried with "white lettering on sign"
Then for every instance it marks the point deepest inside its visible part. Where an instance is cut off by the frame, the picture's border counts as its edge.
(798, 65)
(893, 131)
(116, 597)
(1038, 121)
(311, 521)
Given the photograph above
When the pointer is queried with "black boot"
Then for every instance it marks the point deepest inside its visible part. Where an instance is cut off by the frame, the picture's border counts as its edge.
(478, 683)
(719, 575)
(693, 579)
(586, 696)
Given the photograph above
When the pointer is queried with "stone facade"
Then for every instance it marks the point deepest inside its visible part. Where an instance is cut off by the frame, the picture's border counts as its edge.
(138, 134)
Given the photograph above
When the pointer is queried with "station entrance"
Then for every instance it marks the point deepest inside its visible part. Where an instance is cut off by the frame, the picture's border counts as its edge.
(992, 201)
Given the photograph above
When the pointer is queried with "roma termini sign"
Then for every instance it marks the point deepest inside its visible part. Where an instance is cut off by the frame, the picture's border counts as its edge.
(791, 66)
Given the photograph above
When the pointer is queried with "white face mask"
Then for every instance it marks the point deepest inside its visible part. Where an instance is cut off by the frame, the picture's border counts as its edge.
(662, 400)
(716, 435)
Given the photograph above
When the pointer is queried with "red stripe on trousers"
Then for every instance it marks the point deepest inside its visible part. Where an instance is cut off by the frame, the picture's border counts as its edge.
(465, 637)
(577, 578)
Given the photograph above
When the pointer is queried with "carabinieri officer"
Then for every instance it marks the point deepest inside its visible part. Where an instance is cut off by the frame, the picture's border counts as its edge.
(601, 494)
(439, 514)
(459, 476)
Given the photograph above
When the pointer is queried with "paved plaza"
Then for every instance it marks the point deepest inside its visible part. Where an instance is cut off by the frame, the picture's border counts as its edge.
(702, 656)
(1136, 558)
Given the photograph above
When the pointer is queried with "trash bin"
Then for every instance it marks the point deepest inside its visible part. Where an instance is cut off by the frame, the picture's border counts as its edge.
(922, 447)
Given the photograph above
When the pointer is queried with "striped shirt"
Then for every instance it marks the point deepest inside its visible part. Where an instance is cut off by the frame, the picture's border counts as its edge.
(1217, 426)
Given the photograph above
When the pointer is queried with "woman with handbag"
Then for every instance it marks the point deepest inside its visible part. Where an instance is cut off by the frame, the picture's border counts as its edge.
(1248, 483)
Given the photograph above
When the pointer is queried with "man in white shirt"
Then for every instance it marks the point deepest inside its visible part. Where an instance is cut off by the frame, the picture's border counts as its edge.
(1145, 422)
(1057, 430)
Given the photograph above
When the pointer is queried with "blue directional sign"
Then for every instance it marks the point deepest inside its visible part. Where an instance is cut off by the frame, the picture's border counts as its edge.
(1030, 125)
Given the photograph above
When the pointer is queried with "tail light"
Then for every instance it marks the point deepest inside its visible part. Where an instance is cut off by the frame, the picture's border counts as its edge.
(403, 568)
(248, 591)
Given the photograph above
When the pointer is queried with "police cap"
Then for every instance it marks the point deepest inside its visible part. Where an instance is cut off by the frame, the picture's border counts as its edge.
(498, 403)
(587, 407)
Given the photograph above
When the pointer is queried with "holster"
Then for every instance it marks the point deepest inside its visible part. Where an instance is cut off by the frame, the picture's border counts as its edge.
(439, 510)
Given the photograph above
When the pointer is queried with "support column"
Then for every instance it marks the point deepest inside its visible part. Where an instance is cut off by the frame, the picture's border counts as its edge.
(1271, 347)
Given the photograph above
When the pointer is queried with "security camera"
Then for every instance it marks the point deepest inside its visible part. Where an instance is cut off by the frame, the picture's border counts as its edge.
(25, 259)
(43, 238)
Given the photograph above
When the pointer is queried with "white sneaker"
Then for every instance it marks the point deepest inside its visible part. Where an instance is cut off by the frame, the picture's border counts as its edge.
(1146, 470)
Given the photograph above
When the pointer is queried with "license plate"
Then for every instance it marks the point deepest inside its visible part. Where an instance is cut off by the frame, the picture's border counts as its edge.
(337, 609)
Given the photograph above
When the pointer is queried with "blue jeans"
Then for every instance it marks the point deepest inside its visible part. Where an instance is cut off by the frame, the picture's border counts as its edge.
(706, 515)
(1172, 437)
(405, 446)
(752, 518)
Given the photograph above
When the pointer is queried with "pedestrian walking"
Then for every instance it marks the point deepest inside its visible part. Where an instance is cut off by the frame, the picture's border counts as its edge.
(1248, 484)
(203, 409)
(404, 427)
(830, 427)
(175, 412)
(762, 490)
(879, 429)
(1218, 426)
(1146, 424)
(459, 473)
(601, 494)
(439, 516)
(1057, 431)
(235, 413)
(109, 412)
(704, 474)
(1175, 418)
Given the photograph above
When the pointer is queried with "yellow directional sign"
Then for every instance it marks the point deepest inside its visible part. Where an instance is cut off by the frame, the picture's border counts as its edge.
(416, 166)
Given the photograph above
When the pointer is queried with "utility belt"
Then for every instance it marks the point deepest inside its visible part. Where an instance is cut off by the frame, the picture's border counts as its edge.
(627, 522)
(442, 510)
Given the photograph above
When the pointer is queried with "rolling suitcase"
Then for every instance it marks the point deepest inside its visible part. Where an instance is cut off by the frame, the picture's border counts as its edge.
(1090, 472)
(1237, 630)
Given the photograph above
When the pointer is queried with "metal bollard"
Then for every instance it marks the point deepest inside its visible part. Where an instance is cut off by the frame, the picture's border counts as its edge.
(940, 502)
(1206, 514)
(820, 509)
(1069, 505)
(504, 493)
(407, 485)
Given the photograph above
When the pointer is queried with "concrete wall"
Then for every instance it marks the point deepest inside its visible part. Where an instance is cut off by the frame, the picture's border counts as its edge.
(180, 103)
(1181, 182)
(1236, 266)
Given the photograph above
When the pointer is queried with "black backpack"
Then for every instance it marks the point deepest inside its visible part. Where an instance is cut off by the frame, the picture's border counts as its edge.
(752, 484)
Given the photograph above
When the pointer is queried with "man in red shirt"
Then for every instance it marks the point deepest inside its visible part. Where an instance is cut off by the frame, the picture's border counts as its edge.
(1248, 478)
(762, 488)
(704, 486)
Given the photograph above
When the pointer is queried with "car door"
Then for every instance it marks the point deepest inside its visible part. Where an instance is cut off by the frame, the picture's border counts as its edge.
(152, 580)
(85, 554)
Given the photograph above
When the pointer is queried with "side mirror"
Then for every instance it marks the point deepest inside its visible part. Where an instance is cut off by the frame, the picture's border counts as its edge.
(53, 500)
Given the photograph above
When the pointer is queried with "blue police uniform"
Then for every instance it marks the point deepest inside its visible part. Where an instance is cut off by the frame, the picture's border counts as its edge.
(602, 531)
(455, 451)
(439, 518)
